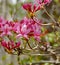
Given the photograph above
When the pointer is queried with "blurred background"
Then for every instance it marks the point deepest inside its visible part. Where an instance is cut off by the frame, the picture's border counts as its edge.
(12, 10)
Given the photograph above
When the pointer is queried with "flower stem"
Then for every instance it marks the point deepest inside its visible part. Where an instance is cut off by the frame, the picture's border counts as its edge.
(29, 46)
(50, 16)
(18, 59)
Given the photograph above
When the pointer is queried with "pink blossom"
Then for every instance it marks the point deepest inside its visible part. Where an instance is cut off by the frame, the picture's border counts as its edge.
(31, 7)
(43, 1)
(27, 28)
(5, 27)
(47, 1)
(27, 6)
(10, 45)
(39, 1)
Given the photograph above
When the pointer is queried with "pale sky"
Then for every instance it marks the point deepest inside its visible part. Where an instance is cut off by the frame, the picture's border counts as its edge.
(14, 1)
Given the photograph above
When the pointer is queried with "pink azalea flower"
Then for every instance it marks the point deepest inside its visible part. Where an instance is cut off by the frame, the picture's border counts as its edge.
(6, 30)
(5, 27)
(43, 1)
(39, 1)
(31, 7)
(27, 6)
(2, 21)
(10, 45)
(27, 28)
(47, 1)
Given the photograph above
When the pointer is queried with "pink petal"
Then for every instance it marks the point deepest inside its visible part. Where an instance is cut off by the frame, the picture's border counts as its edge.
(27, 6)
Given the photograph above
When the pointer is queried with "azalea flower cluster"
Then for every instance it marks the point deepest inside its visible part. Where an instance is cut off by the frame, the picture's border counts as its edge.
(37, 5)
(6, 28)
(10, 46)
(26, 28)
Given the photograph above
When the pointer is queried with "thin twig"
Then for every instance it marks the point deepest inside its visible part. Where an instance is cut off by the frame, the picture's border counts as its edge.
(18, 59)
(29, 46)
(49, 15)
(47, 24)
(45, 62)
(36, 54)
